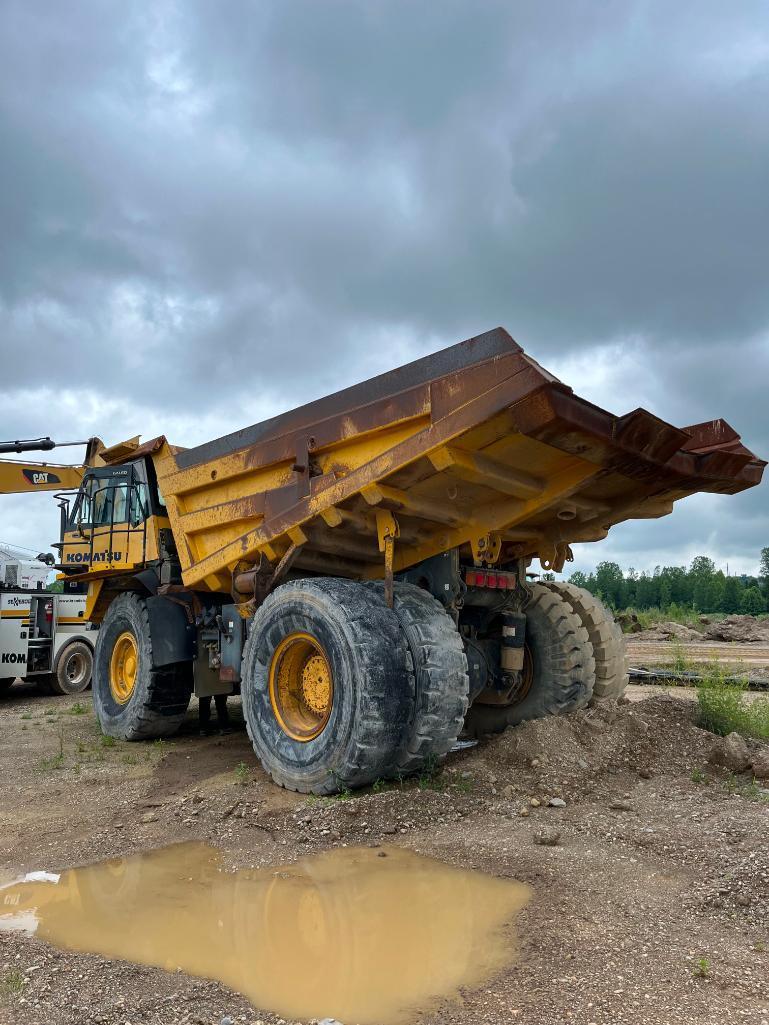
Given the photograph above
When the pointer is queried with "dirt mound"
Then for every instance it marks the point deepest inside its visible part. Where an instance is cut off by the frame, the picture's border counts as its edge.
(566, 754)
(669, 632)
(739, 628)
(629, 622)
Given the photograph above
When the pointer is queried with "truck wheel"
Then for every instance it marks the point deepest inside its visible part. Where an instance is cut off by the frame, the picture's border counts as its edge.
(74, 667)
(559, 668)
(327, 686)
(5, 685)
(132, 700)
(440, 673)
(605, 636)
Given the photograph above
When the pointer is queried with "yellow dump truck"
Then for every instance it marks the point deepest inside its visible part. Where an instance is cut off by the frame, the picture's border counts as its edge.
(357, 567)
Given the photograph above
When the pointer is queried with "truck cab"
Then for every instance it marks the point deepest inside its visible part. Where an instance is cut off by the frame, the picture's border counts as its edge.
(113, 522)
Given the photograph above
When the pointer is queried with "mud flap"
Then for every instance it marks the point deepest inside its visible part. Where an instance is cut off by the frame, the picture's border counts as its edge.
(172, 635)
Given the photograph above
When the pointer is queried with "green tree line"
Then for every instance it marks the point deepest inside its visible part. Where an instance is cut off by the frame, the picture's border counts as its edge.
(700, 587)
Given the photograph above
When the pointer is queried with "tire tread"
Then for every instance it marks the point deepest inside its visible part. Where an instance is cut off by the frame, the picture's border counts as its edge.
(605, 635)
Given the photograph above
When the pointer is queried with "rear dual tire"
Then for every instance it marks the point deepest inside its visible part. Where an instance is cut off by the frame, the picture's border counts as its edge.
(398, 681)
(371, 679)
(441, 682)
(605, 635)
(560, 662)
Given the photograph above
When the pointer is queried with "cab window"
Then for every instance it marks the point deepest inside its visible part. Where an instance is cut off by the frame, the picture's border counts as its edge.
(139, 504)
(103, 502)
(106, 501)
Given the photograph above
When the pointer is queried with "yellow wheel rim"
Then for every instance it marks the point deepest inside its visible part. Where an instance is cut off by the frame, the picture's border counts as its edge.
(301, 687)
(527, 673)
(123, 667)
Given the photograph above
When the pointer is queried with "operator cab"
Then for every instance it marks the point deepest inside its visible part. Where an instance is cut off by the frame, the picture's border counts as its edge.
(104, 526)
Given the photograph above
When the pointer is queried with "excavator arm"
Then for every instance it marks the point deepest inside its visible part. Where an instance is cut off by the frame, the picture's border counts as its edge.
(18, 476)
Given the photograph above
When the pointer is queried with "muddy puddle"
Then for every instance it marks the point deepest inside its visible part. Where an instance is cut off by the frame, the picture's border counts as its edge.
(348, 933)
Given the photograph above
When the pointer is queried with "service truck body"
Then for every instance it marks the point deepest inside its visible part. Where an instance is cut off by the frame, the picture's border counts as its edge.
(37, 628)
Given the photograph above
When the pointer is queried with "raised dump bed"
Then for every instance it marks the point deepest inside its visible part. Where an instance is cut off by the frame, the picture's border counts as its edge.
(475, 439)
(252, 562)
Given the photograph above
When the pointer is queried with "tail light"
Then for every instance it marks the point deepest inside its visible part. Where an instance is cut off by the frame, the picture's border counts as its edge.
(484, 578)
(49, 612)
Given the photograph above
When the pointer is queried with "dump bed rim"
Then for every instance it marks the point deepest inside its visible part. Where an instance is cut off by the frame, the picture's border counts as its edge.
(474, 351)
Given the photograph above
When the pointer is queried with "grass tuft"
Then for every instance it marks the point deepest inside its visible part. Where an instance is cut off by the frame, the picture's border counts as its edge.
(701, 969)
(54, 762)
(725, 707)
(11, 982)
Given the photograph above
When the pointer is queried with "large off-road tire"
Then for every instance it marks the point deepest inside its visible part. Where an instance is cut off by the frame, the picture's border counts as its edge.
(327, 686)
(5, 685)
(559, 667)
(605, 635)
(73, 670)
(132, 700)
(440, 672)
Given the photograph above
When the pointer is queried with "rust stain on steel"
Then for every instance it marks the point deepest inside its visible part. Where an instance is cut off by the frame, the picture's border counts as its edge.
(247, 508)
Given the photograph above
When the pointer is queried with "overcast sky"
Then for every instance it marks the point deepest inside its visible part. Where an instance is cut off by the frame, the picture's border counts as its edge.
(212, 212)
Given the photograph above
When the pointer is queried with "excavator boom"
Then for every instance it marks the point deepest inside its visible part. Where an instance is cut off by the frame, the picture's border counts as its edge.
(20, 477)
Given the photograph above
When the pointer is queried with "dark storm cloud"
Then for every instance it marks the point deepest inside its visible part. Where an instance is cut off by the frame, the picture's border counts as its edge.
(212, 212)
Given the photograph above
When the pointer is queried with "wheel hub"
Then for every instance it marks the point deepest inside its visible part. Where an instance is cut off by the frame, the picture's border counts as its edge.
(75, 669)
(316, 684)
(301, 687)
(123, 667)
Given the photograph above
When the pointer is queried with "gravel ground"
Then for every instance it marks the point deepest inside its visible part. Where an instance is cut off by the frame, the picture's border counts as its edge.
(652, 906)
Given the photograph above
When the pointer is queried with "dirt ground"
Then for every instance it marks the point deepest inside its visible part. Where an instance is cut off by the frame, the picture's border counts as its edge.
(653, 906)
(750, 658)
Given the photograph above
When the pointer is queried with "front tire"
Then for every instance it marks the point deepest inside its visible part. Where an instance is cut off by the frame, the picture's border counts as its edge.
(134, 701)
(327, 686)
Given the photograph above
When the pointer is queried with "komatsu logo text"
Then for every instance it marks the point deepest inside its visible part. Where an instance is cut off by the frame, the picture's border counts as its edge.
(96, 557)
(11, 656)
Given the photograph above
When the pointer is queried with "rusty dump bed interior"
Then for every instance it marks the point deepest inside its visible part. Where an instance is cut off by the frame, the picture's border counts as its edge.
(473, 440)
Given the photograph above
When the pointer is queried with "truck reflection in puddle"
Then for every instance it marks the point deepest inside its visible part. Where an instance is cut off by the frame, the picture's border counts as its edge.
(347, 933)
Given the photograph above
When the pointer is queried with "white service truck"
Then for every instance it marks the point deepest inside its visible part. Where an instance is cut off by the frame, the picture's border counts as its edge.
(44, 636)
(45, 639)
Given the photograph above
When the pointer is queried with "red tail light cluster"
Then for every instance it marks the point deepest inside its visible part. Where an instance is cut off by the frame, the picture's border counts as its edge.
(487, 578)
(48, 611)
